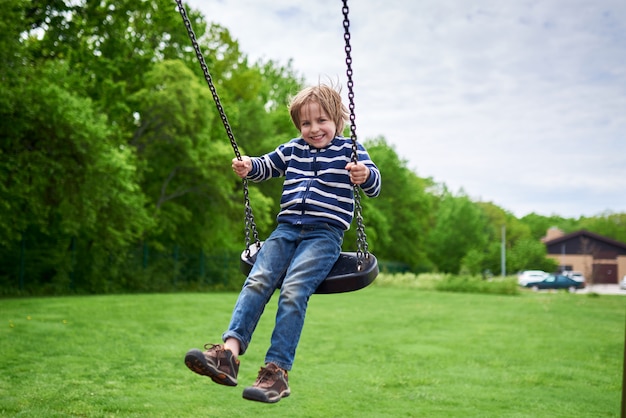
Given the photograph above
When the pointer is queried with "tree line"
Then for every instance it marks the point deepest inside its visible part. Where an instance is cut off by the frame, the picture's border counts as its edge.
(114, 162)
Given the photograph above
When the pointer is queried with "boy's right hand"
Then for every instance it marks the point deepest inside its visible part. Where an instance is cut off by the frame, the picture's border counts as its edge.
(242, 167)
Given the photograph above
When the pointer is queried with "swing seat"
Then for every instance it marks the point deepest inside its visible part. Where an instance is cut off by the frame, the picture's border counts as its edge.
(343, 277)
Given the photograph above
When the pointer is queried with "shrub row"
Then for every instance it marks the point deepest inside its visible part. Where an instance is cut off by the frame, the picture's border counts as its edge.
(451, 283)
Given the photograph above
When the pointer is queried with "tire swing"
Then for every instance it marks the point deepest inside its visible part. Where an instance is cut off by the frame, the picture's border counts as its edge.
(353, 270)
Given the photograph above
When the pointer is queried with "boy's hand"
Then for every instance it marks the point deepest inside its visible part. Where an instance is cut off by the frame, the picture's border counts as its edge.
(242, 167)
(359, 172)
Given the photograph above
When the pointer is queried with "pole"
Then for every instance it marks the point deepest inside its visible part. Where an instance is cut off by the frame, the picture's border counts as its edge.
(624, 379)
(503, 251)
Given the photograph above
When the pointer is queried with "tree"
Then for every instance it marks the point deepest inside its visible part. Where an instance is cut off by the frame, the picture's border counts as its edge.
(514, 231)
(61, 175)
(110, 44)
(539, 224)
(459, 227)
(398, 219)
(609, 224)
(183, 161)
(529, 254)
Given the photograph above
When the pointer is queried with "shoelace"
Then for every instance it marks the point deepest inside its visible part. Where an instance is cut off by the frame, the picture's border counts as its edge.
(265, 374)
(210, 346)
(219, 349)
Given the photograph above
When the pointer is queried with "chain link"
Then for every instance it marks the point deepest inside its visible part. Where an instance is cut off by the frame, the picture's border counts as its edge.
(361, 238)
(250, 226)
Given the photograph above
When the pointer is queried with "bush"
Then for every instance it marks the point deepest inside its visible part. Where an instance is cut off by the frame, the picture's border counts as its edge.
(474, 284)
(450, 283)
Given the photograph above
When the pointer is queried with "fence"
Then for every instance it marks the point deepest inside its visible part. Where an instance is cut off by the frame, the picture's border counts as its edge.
(43, 265)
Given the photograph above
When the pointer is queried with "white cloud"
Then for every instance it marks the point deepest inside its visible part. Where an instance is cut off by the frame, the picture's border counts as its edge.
(522, 103)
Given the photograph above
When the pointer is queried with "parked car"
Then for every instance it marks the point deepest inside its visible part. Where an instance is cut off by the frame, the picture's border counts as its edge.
(622, 284)
(576, 275)
(556, 282)
(530, 276)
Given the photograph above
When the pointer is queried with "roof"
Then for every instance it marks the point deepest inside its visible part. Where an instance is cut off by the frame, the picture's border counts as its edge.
(587, 234)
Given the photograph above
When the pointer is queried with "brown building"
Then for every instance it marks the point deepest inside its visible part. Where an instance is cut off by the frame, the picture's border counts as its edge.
(600, 259)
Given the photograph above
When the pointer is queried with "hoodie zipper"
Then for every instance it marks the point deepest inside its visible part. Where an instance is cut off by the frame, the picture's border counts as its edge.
(308, 185)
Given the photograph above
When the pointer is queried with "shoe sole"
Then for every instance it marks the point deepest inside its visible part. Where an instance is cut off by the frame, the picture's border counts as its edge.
(255, 394)
(196, 362)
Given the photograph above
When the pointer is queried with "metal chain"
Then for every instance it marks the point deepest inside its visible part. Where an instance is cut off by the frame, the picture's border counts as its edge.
(250, 226)
(361, 238)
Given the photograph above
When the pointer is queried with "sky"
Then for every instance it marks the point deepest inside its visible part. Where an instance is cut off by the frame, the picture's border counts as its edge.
(521, 103)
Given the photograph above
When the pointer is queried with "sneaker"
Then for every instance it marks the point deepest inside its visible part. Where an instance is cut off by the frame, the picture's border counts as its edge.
(216, 362)
(271, 385)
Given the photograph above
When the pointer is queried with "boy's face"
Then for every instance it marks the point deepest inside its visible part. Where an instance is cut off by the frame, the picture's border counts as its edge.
(316, 127)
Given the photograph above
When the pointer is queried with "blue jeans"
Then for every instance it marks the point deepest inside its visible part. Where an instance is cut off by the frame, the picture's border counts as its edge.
(296, 259)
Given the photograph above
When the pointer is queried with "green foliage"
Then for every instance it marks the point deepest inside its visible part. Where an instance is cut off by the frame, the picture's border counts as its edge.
(514, 231)
(459, 226)
(612, 225)
(125, 149)
(529, 254)
(451, 283)
(472, 284)
(12, 22)
(398, 217)
(473, 262)
(539, 224)
(181, 158)
(61, 170)
(110, 45)
(110, 144)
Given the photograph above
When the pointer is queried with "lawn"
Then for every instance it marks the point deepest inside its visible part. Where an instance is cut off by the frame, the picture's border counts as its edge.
(378, 352)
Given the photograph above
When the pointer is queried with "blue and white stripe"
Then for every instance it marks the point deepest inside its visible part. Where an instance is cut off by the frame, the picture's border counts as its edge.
(317, 186)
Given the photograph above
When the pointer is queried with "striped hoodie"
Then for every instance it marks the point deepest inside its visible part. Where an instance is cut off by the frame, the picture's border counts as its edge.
(317, 186)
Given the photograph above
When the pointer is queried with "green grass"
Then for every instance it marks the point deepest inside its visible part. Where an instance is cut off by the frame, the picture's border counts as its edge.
(383, 351)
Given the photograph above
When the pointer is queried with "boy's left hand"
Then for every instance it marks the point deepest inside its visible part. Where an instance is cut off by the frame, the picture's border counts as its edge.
(359, 172)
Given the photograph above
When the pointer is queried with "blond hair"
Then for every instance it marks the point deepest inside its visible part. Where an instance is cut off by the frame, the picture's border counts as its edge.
(329, 99)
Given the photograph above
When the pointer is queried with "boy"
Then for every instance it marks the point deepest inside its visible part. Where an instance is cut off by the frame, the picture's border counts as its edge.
(316, 209)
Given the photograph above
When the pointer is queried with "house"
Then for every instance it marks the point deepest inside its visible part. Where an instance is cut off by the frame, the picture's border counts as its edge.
(602, 260)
